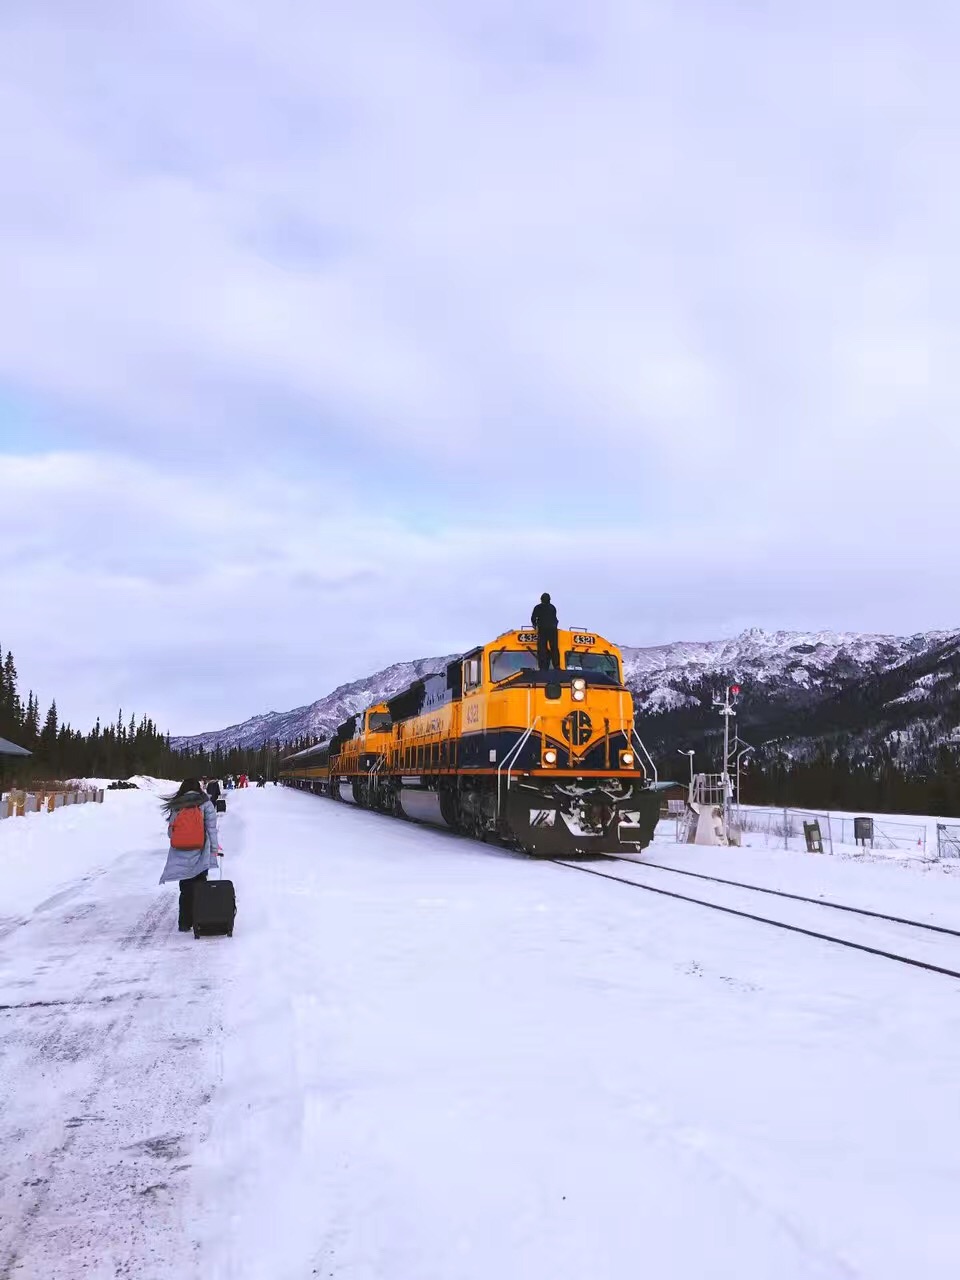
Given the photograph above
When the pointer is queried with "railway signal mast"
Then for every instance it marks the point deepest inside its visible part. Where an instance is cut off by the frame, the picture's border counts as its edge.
(727, 708)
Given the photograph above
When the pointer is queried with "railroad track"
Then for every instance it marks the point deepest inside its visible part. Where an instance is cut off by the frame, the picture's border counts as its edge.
(787, 926)
(920, 927)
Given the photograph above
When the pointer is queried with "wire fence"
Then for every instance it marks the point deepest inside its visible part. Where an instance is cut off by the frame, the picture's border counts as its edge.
(814, 830)
(948, 840)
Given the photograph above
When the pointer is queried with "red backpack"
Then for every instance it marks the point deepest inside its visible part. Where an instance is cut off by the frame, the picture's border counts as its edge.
(188, 832)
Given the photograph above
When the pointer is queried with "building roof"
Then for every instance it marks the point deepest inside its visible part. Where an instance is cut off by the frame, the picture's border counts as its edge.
(8, 748)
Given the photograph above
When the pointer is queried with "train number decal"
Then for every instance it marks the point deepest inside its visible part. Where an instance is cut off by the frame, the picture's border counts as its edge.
(527, 637)
(473, 713)
(580, 638)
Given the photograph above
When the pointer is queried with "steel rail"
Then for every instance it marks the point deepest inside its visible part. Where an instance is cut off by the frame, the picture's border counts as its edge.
(782, 893)
(749, 915)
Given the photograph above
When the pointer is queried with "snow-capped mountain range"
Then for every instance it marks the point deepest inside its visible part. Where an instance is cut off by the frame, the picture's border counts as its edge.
(791, 681)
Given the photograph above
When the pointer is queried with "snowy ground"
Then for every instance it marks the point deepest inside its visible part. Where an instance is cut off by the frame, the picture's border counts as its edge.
(421, 1058)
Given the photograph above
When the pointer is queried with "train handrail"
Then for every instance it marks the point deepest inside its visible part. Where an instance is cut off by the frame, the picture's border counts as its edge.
(647, 754)
(510, 758)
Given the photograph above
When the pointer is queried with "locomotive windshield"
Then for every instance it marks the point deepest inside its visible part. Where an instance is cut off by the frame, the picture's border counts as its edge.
(379, 722)
(507, 662)
(605, 663)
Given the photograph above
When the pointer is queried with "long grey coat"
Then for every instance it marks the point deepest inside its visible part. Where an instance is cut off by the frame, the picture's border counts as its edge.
(183, 864)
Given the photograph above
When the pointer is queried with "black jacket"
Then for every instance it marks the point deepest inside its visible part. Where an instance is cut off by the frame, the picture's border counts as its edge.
(213, 789)
(544, 617)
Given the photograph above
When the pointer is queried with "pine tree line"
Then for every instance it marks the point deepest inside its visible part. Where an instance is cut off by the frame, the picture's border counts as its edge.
(854, 782)
(839, 773)
(116, 750)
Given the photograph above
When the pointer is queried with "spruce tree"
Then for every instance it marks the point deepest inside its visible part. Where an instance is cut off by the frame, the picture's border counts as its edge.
(11, 712)
(31, 723)
(48, 734)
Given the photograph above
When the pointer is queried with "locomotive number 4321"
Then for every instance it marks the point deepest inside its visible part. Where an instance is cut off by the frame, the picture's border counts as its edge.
(579, 638)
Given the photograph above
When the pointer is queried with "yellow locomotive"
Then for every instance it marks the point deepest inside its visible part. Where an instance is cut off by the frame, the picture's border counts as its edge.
(548, 760)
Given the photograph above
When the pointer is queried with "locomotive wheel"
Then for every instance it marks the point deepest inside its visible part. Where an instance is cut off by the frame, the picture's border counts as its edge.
(450, 808)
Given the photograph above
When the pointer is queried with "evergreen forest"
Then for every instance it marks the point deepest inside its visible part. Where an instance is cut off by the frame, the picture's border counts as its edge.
(119, 749)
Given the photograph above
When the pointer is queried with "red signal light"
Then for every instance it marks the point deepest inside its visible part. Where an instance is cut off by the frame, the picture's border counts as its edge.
(734, 689)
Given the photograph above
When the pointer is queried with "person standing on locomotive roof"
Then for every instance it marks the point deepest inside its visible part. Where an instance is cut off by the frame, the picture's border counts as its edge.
(544, 618)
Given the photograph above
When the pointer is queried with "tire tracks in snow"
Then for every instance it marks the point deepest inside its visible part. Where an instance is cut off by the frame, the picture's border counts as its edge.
(107, 1062)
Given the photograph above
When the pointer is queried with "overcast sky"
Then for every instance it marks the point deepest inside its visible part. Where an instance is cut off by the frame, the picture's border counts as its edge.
(333, 334)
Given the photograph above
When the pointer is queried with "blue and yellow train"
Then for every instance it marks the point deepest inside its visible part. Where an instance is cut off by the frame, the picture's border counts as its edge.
(548, 761)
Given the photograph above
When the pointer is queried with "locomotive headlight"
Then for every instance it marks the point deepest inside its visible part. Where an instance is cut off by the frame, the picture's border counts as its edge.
(550, 757)
(626, 759)
(579, 683)
(578, 695)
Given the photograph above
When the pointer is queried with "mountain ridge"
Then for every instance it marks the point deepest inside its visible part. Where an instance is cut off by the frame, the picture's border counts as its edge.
(815, 674)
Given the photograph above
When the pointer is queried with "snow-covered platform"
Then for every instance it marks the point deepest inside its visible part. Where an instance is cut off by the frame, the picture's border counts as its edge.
(420, 1058)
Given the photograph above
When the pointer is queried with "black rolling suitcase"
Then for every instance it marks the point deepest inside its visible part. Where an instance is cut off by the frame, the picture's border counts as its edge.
(214, 907)
(220, 805)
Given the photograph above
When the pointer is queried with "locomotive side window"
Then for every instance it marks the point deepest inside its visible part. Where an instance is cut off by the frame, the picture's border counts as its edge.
(379, 721)
(471, 673)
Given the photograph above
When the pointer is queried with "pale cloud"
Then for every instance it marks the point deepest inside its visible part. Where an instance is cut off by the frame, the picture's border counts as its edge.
(208, 601)
(401, 311)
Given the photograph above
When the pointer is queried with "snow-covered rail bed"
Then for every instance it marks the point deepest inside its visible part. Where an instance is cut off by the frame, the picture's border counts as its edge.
(424, 1057)
(922, 945)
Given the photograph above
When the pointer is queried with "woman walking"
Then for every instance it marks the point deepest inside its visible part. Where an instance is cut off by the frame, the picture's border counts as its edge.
(194, 843)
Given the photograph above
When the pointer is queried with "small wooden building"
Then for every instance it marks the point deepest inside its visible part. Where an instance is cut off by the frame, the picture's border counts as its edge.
(9, 751)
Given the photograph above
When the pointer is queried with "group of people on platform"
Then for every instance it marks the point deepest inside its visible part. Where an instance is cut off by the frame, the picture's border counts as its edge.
(231, 782)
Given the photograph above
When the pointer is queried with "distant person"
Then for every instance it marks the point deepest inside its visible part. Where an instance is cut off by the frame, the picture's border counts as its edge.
(261, 780)
(213, 790)
(544, 619)
(275, 779)
(194, 843)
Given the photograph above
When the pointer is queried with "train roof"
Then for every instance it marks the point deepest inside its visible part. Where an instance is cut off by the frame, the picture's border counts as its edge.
(403, 694)
(588, 636)
(308, 752)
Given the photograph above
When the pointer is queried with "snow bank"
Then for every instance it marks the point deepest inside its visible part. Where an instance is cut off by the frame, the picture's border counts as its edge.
(143, 782)
(421, 1058)
(43, 852)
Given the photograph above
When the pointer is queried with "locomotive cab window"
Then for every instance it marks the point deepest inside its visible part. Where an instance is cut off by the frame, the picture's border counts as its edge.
(472, 672)
(604, 663)
(379, 722)
(507, 662)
